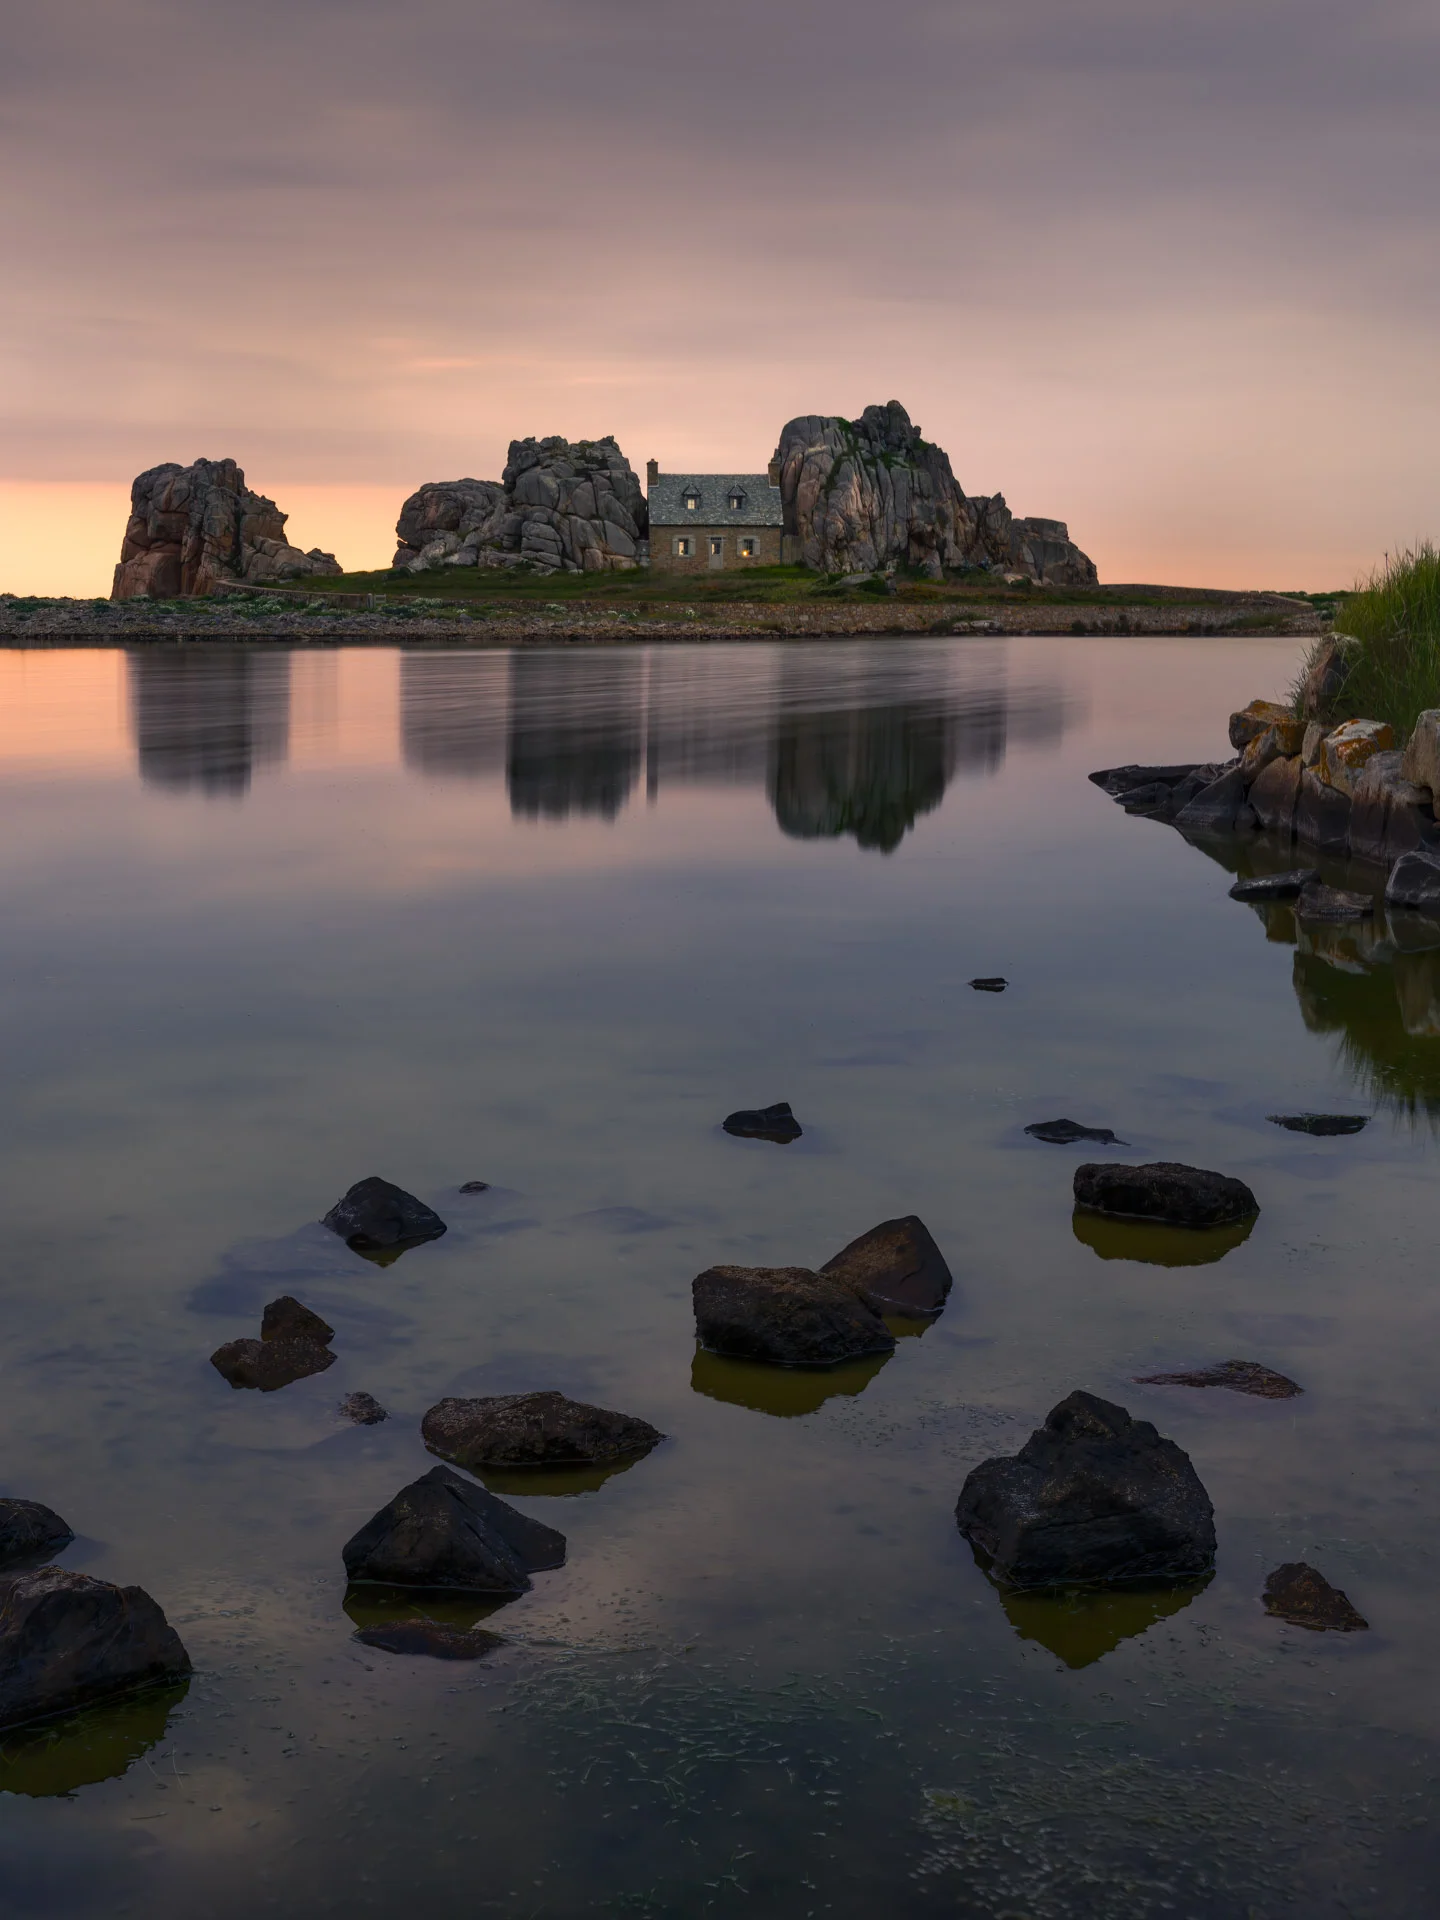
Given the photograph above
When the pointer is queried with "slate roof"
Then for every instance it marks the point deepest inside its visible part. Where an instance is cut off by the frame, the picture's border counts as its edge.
(666, 498)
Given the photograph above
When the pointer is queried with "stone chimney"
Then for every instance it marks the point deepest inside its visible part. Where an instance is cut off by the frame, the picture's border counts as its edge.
(775, 471)
(652, 472)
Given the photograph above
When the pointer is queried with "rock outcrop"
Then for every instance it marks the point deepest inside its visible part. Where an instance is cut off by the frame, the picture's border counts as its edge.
(533, 1430)
(560, 506)
(863, 495)
(67, 1640)
(786, 1316)
(1093, 1497)
(197, 529)
(442, 1531)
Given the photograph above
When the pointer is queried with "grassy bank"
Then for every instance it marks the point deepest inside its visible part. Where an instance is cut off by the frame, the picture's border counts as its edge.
(1393, 620)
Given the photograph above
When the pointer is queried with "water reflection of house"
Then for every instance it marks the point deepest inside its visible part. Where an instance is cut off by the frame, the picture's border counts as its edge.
(576, 729)
(454, 712)
(869, 772)
(207, 717)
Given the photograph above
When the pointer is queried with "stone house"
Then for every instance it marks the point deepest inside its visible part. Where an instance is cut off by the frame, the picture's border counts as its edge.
(699, 521)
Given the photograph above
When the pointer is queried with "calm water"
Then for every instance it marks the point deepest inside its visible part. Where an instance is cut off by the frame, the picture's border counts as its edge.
(274, 922)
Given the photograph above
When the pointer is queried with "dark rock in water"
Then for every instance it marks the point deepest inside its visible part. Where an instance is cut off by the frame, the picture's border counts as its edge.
(1092, 1498)
(1322, 815)
(286, 1319)
(1215, 808)
(894, 1268)
(775, 1123)
(363, 1408)
(532, 1430)
(787, 1316)
(1063, 1133)
(1333, 903)
(990, 983)
(1275, 793)
(442, 1531)
(67, 1640)
(375, 1215)
(1415, 883)
(1320, 1123)
(1155, 798)
(268, 1364)
(476, 1186)
(29, 1530)
(1275, 886)
(1297, 1593)
(1241, 1376)
(1118, 781)
(432, 1638)
(1164, 1190)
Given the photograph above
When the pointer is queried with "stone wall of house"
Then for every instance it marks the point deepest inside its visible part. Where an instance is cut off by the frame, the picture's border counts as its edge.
(665, 559)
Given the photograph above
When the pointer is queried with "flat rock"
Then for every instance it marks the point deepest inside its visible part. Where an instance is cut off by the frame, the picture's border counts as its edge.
(430, 1638)
(895, 1268)
(476, 1186)
(1063, 1133)
(1320, 1123)
(1317, 902)
(1275, 886)
(1092, 1498)
(1164, 1190)
(1297, 1593)
(363, 1408)
(1119, 781)
(67, 1640)
(775, 1123)
(269, 1364)
(787, 1316)
(29, 1530)
(286, 1319)
(990, 983)
(533, 1430)
(375, 1215)
(442, 1531)
(1241, 1376)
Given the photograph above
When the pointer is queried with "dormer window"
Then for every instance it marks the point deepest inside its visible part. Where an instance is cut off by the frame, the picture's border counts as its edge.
(736, 502)
(692, 500)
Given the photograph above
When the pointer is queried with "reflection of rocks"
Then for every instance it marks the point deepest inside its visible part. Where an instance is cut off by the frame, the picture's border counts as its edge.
(207, 717)
(443, 1531)
(67, 1640)
(453, 712)
(1297, 1593)
(430, 1639)
(377, 1218)
(787, 1392)
(787, 1316)
(868, 773)
(1155, 1244)
(1164, 1191)
(1241, 1376)
(383, 1611)
(1093, 1497)
(29, 1531)
(1081, 1625)
(101, 1743)
(575, 733)
(533, 1430)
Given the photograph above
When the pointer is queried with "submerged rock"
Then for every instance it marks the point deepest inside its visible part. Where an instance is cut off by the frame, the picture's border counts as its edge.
(1320, 1123)
(1317, 902)
(476, 1186)
(775, 1123)
(895, 1268)
(269, 1364)
(1275, 886)
(787, 1316)
(29, 1530)
(1092, 1498)
(1064, 1133)
(1241, 1376)
(67, 1640)
(533, 1430)
(1415, 883)
(286, 1319)
(1164, 1190)
(442, 1531)
(990, 983)
(1297, 1593)
(431, 1638)
(363, 1408)
(376, 1215)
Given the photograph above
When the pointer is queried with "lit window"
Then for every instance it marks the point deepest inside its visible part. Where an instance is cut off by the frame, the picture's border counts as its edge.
(683, 548)
(737, 501)
(717, 546)
(747, 549)
(692, 501)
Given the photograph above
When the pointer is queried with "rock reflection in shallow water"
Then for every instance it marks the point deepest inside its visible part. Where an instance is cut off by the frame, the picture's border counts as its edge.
(1082, 1625)
(575, 733)
(100, 1744)
(787, 1392)
(1156, 1245)
(370, 1606)
(207, 717)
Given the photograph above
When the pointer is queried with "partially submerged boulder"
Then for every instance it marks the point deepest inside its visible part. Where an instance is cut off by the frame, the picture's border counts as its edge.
(895, 1268)
(1317, 902)
(376, 1216)
(1298, 1593)
(533, 1430)
(442, 1531)
(67, 1640)
(1274, 795)
(1064, 1133)
(1216, 808)
(775, 1123)
(1322, 1124)
(1241, 1376)
(29, 1530)
(270, 1364)
(1414, 883)
(787, 1316)
(1092, 1498)
(990, 983)
(1164, 1190)
(1275, 886)
(363, 1408)
(286, 1319)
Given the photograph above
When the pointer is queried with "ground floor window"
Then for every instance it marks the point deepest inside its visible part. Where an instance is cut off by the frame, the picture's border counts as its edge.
(717, 546)
(684, 548)
(747, 549)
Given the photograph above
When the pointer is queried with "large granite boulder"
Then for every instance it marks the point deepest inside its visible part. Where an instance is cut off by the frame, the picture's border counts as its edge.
(533, 1430)
(197, 529)
(376, 1216)
(442, 1531)
(1325, 676)
(1421, 763)
(268, 1365)
(1301, 1594)
(862, 495)
(1093, 1497)
(576, 507)
(894, 1268)
(1164, 1190)
(29, 1530)
(787, 1316)
(67, 1640)
(286, 1319)
(1414, 883)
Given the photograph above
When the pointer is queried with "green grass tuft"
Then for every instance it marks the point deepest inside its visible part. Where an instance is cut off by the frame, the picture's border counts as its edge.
(1393, 620)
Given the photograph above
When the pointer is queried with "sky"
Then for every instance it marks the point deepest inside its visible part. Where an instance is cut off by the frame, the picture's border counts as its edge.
(1167, 272)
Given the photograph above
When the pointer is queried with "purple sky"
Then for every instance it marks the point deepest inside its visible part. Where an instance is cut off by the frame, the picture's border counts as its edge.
(1167, 272)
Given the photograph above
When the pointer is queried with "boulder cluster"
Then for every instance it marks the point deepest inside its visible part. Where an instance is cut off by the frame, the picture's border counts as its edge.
(199, 529)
